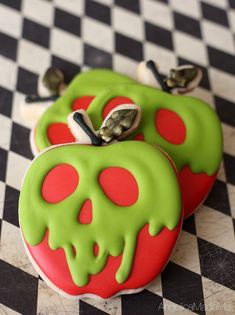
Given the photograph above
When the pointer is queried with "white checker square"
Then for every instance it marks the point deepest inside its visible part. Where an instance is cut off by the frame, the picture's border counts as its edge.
(97, 34)
(17, 165)
(5, 138)
(10, 240)
(9, 68)
(231, 16)
(66, 46)
(218, 299)
(125, 65)
(33, 57)
(127, 23)
(186, 252)
(4, 310)
(157, 13)
(170, 308)
(221, 174)
(165, 58)
(187, 7)
(39, 11)
(222, 84)
(50, 302)
(215, 227)
(156, 286)
(190, 48)
(10, 21)
(223, 40)
(16, 110)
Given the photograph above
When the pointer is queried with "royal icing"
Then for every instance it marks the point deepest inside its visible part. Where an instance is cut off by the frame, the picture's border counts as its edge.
(185, 127)
(94, 202)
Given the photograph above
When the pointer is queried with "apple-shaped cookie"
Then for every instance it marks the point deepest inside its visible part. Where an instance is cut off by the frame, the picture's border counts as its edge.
(100, 220)
(185, 127)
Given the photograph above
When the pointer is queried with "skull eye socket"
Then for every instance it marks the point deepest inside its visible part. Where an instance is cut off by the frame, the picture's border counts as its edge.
(114, 102)
(119, 185)
(60, 182)
(82, 102)
(58, 133)
(170, 126)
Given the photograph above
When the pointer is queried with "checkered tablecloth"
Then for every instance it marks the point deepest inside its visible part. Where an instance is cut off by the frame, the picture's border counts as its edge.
(76, 35)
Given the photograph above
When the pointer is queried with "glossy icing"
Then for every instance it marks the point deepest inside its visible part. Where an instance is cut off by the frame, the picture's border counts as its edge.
(185, 127)
(111, 227)
(201, 123)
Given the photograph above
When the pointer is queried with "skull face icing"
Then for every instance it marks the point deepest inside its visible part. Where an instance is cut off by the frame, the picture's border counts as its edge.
(92, 203)
(185, 127)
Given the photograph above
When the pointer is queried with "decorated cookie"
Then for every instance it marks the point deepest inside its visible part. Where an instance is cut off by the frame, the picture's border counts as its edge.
(100, 220)
(185, 127)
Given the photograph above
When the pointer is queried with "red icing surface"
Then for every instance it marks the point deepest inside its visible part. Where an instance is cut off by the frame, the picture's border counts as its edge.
(59, 183)
(170, 126)
(82, 102)
(119, 185)
(59, 133)
(152, 254)
(139, 137)
(85, 214)
(194, 188)
(114, 102)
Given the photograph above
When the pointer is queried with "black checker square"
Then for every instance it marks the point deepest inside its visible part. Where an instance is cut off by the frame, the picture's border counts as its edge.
(133, 6)
(189, 225)
(14, 4)
(6, 97)
(10, 210)
(20, 140)
(69, 69)
(217, 264)
(128, 47)
(37, 33)
(187, 25)
(3, 164)
(87, 309)
(98, 11)
(221, 60)
(144, 302)
(18, 289)
(8, 46)
(68, 22)
(158, 35)
(183, 287)
(26, 82)
(159, 22)
(214, 14)
(229, 165)
(225, 110)
(218, 198)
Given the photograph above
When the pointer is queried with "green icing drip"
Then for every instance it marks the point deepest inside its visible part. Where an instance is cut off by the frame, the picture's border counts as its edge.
(202, 148)
(113, 228)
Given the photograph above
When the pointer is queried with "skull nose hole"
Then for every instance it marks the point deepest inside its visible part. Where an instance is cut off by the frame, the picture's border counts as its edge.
(74, 250)
(85, 213)
(96, 249)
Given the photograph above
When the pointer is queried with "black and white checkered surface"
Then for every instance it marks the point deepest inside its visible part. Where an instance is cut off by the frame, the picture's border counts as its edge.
(75, 35)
